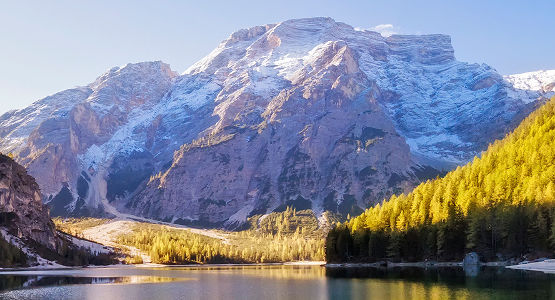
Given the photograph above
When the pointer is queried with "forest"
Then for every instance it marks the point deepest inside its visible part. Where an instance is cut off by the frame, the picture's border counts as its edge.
(11, 256)
(285, 236)
(500, 205)
(278, 237)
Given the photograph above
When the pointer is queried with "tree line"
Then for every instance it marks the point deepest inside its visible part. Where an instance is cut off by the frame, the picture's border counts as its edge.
(501, 205)
(278, 237)
(10, 255)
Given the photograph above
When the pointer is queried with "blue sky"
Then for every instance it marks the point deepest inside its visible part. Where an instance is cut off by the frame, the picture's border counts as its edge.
(48, 46)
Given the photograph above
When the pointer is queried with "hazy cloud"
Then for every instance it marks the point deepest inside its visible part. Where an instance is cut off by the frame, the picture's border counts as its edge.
(384, 29)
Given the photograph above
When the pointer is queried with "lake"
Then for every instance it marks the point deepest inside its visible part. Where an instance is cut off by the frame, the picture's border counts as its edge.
(275, 282)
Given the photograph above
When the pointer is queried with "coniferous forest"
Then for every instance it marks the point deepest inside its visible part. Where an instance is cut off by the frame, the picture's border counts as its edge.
(285, 236)
(10, 255)
(501, 205)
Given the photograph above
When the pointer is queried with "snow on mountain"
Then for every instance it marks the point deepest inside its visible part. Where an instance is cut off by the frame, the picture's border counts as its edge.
(534, 81)
(420, 73)
(531, 85)
(17, 125)
(307, 112)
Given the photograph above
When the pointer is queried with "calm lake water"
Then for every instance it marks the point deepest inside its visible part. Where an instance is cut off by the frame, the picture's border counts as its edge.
(275, 282)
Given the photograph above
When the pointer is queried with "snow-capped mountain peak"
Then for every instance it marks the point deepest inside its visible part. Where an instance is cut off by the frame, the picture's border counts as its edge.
(535, 81)
(308, 112)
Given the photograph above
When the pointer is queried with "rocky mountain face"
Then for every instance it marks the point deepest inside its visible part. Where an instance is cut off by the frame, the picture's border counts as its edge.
(22, 212)
(51, 137)
(309, 113)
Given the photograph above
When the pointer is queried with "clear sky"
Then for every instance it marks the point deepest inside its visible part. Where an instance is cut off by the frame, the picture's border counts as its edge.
(49, 46)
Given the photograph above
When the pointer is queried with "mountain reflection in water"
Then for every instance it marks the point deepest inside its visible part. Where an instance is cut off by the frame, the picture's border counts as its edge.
(275, 282)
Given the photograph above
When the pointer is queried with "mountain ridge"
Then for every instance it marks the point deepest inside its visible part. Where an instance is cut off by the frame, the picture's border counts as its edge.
(302, 99)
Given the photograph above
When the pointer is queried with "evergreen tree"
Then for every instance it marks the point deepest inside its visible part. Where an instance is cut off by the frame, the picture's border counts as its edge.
(500, 204)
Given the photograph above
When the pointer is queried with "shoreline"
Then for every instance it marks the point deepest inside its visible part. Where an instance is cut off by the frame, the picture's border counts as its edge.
(546, 266)
(420, 264)
(152, 265)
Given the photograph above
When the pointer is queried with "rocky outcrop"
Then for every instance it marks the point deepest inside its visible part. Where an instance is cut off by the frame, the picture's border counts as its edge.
(315, 114)
(309, 113)
(323, 144)
(22, 212)
(51, 136)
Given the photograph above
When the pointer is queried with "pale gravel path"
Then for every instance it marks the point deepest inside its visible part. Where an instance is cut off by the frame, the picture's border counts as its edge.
(107, 234)
(119, 215)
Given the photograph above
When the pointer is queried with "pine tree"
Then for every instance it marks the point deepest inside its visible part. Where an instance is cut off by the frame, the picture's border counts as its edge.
(502, 203)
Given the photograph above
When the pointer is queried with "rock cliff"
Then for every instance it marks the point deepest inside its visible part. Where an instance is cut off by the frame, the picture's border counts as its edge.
(310, 113)
(22, 212)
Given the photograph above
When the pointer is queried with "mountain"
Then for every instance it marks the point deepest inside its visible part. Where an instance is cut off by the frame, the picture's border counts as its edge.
(53, 136)
(22, 212)
(501, 205)
(25, 222)
(527, 85)
(28, 237)
(309, 113)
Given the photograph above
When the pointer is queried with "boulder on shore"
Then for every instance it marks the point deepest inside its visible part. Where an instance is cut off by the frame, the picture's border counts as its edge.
(471, 259)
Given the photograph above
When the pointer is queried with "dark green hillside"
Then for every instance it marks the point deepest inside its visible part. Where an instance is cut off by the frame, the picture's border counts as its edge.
(11, 256)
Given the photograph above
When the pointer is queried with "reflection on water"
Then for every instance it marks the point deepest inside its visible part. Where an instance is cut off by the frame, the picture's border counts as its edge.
(444, 283)
(264, 271)
(275, 282)
(471, 270)
(9, 282)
